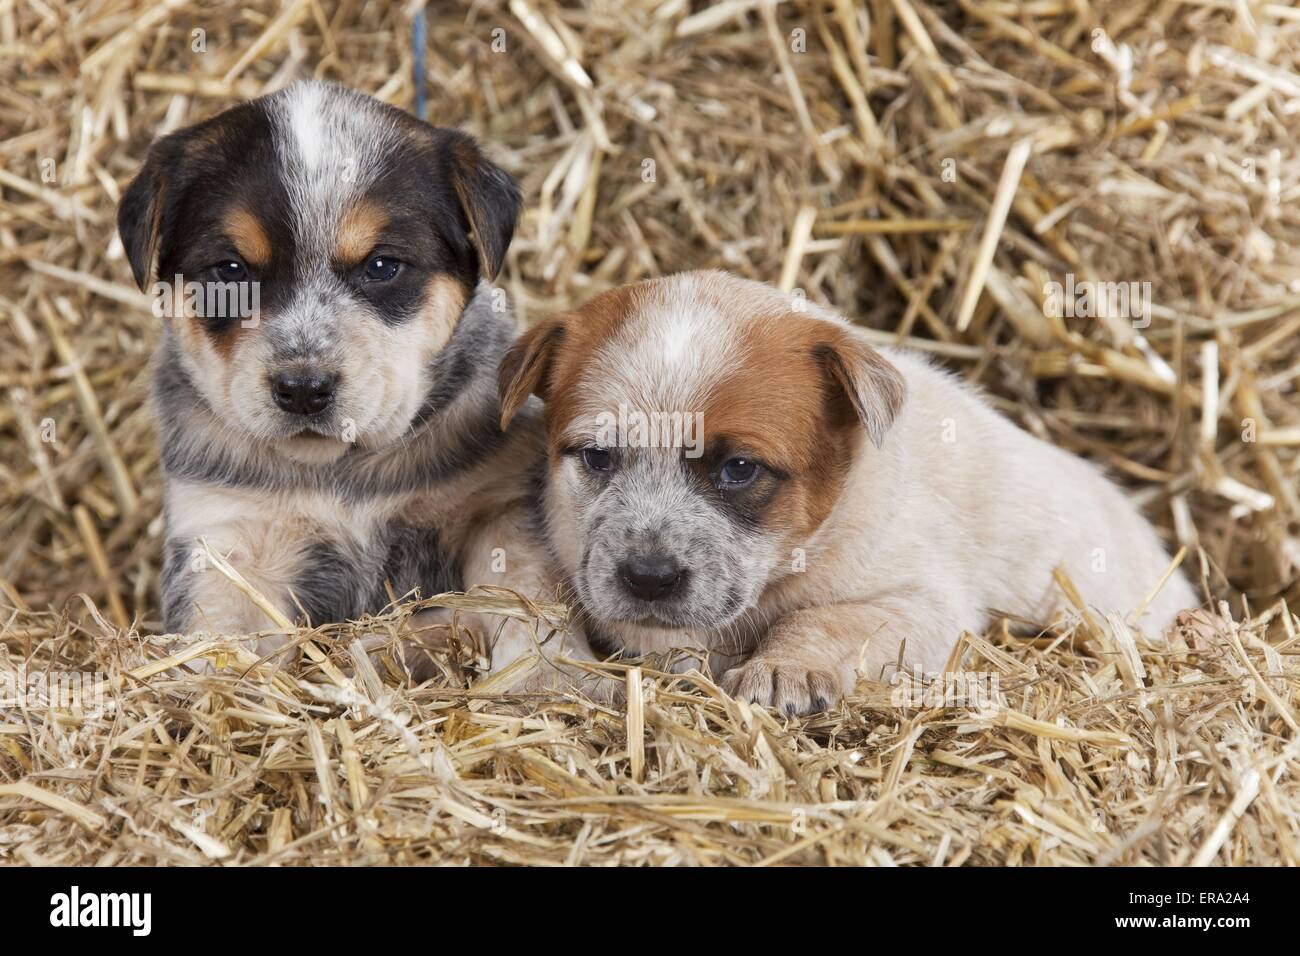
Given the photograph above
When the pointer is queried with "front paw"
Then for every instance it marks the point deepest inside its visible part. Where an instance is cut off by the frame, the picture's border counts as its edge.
(786, 686)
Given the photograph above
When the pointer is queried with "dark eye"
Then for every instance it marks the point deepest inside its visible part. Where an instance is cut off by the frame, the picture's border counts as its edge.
(231, 270)
(381, 268)
(597, 459)
(738, 472)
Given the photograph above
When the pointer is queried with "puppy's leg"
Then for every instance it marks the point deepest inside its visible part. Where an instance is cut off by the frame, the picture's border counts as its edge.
(196, 596)
(809, 658)
(255, 533)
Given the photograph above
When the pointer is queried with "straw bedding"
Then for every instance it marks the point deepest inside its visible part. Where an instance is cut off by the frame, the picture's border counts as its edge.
(928, 168)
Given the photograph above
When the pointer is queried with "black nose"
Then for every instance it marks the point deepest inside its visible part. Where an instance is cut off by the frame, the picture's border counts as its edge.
(651, 577)
(303, 393)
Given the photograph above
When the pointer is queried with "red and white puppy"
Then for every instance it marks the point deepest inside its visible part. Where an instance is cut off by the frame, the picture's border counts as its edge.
(731, 469)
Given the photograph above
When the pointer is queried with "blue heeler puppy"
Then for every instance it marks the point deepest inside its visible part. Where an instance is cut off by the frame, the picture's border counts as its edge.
(325, 382)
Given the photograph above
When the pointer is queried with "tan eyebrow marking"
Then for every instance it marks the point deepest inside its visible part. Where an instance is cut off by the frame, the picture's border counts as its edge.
(444, 300)
(250, 239)
(191, 331)
(358, 232)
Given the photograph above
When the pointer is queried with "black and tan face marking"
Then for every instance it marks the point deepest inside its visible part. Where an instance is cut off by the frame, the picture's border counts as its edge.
(362, 233)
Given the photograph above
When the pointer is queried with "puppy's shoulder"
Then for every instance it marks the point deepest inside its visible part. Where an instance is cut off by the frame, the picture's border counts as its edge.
(930, 385)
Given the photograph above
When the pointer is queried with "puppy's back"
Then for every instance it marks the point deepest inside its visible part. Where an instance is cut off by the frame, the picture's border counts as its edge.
(1011, 507)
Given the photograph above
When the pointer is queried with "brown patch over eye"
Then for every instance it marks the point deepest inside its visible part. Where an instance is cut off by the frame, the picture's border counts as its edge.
(775, 405)
(250, 239)
(358, 232)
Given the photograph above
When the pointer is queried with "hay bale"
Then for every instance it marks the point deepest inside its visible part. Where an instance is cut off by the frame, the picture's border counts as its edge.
(928, 168)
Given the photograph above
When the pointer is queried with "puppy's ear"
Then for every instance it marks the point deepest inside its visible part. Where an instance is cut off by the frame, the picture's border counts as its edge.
(140, 213)
(865, 381)
(490, 199)
(139, 220)
(526, 367)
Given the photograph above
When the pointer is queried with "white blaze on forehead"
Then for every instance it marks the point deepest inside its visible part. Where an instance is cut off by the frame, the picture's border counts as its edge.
(331, 144)
(684, 335)
(305, 117)
(670, 354)
(678, 337)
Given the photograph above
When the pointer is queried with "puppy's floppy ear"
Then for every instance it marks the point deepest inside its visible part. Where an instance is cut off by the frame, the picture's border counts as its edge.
(864, 379)
(490, 199)
(140, 213)
(526, 367)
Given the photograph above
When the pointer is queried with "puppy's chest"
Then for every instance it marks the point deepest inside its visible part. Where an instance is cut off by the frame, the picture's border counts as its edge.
(342, 577)
(328, 557)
